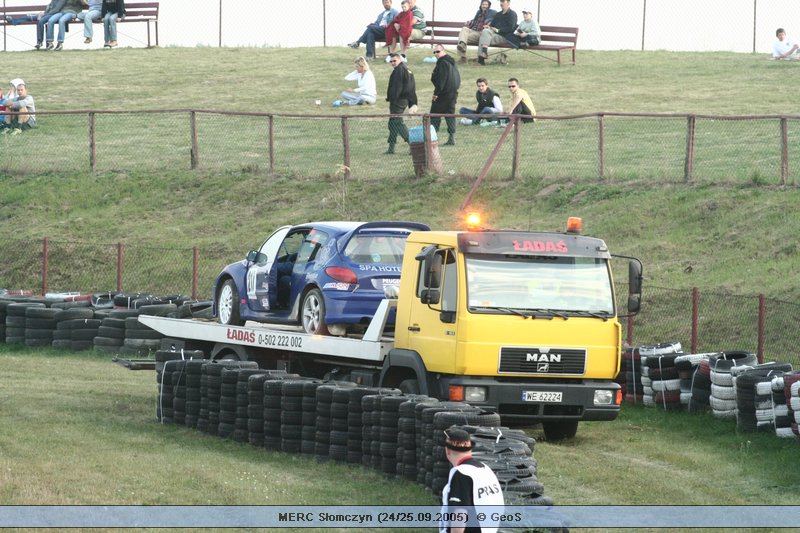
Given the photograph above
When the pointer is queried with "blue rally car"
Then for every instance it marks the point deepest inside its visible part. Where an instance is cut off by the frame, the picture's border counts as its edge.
(327, 276)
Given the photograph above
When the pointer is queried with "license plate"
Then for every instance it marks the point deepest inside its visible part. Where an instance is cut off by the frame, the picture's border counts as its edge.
(541, 396)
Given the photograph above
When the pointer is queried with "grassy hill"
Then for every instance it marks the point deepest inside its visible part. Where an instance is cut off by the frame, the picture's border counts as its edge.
(737, 237)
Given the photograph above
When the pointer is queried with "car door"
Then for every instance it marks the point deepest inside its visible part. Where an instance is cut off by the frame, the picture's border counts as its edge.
(306, 266)
(280, 272)
(258, 289)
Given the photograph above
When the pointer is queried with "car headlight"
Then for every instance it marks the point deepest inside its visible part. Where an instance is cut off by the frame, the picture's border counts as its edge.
(474, 394)
(603, 397)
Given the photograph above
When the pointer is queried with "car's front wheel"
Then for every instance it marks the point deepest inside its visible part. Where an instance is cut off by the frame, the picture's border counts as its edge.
(228, 304)
(313, 313)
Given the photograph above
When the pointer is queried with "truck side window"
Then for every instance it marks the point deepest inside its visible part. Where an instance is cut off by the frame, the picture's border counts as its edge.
(442, 277)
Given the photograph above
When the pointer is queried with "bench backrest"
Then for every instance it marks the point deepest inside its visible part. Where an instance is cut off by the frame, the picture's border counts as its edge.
(562, 35)
(559, 34)
(132, 9)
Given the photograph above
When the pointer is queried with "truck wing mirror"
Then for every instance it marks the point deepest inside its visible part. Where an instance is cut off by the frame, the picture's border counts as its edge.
(634, 303)
(635, 276)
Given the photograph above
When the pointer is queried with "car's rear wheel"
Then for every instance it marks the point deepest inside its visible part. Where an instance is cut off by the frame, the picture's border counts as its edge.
(228, 304)
(313, 313)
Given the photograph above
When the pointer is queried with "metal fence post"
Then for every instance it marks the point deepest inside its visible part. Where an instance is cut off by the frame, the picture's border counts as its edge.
(193, 132)
(195, 269)
(695, 314)
(271, 143)
(762, 316)
(426, 135)
(346, 143)
(517, 151)
(784, 150)
(45, 263)
(120, 251)
(92, 141)
(601, 145)
(691, 121)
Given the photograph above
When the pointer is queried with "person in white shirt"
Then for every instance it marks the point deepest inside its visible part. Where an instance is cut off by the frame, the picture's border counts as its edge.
(784, 48)
(367, 91)
(376, 30)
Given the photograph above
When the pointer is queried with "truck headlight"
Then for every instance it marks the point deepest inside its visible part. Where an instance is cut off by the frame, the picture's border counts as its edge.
(603, 397)
(474, 394)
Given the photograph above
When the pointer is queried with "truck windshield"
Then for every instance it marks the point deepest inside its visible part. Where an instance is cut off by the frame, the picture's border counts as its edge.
(539, 284)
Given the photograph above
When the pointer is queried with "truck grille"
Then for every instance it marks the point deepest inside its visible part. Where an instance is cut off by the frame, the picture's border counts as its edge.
(541, 360)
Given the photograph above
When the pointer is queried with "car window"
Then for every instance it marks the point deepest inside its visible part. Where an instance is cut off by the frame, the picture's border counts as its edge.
(372, 249)
(311, 245)
(292, 243)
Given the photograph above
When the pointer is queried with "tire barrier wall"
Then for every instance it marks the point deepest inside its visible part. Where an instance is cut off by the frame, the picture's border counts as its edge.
(400, 435)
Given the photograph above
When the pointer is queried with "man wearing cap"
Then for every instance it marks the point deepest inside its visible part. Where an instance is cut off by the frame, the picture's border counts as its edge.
(503, 25)
(528, 31)
(470, 483)
(20, 101)
(471, 33)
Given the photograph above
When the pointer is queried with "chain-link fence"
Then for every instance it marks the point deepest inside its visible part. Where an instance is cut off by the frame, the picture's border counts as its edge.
(702, 321)
(608, 146)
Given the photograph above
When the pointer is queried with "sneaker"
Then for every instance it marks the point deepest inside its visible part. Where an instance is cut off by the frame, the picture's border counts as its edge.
(353, 44)
(481, 61)
(50, 46)
(370, 59)
(487, 124)
(462, 46)
(484, 53)
(37, 46)
(112, 44)
(337, 103)
(388, 58)
(59, 46)
(15, 131)
(466, 121)
(87, 40)
(404, 58)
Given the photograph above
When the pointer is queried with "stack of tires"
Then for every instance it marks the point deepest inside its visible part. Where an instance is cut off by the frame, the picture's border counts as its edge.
(241, 432)
(356, 423)
(273, 396)
(645, 354)
(436, 478)
(76, 328)
(323, 396)
(3, 305)
(256, 406)
(194, 374)
(340, 429)
(665, 381)
(791, 391)
(166, 363)
(40, 324)
(687, 365)
(701, 386)
(754, 406)
(292, 415)
(142, 340)
(111, 332)
(780, 409)
(16, 321)
(723, 393)
(630, 376)
(389, 418)
(227, 402)
(407, 436)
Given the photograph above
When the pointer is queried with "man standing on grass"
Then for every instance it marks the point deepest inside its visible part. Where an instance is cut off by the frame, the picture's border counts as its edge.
(446, 82)
(401, 94)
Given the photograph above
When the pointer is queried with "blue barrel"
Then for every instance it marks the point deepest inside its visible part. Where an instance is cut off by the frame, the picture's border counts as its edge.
(416, 135)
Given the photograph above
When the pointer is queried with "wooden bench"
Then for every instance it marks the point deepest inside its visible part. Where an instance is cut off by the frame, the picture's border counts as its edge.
(553, 38)
(134, 12)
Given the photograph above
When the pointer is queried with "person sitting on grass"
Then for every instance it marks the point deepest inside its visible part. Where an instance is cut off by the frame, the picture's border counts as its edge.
(366, 92)
(19, 101)
(489, 103)
(784, 48)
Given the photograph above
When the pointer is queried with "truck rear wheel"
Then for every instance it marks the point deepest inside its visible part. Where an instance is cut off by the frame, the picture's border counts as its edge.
(555, 430)
(409, 386)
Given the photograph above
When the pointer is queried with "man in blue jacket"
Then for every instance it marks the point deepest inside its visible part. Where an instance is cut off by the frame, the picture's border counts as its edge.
(376, 30)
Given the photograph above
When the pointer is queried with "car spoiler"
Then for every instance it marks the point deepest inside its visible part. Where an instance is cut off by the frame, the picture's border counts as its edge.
(411, 226)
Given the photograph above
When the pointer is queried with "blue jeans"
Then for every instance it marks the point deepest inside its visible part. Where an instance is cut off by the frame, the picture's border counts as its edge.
(40, 28)
(482, 111)
(369, 36)
(88, 17)
(62, 19)
(110, 27)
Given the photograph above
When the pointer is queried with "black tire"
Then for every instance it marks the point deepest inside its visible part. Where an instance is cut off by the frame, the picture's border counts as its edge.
(557, 430)
(409, 386)
(228, 304)
(312, 313)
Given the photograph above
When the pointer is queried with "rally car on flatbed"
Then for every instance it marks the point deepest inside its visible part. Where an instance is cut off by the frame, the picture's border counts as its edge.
(327, 276)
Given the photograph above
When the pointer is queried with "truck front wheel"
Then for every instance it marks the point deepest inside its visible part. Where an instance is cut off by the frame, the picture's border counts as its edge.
(409, 386)
(555, 430)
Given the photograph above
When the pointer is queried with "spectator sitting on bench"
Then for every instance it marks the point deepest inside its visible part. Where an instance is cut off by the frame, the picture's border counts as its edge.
(489, 103)
(471, 33)
(92, 13)
(417, 30)
(503, 26)
(20, 101)
(52, 9)
(521, 103)
(784, 48)
(527, 33)
(68, 13)
(112, 10)
(376, 30)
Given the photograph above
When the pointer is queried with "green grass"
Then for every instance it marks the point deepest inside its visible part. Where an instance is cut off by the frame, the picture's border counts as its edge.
(80, 430)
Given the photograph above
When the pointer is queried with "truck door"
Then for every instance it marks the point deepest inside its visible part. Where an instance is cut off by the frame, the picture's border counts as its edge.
(433, 325)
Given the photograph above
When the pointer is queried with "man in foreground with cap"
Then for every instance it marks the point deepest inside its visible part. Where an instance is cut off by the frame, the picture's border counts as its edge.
(20, 101)
(470, 483)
